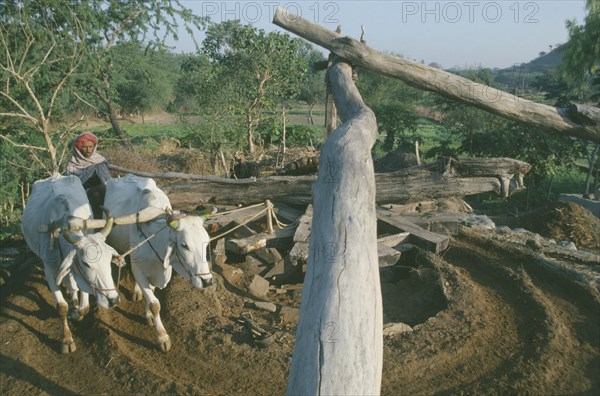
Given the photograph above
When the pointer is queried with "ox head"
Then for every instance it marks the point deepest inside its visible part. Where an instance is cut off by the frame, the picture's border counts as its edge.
(90, 262)
(188, 249)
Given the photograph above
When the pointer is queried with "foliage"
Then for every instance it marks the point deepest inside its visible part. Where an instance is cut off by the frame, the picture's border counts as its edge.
(394, 105)
(582, 53)
(303, 135)
(253, 70)
(482, 134)
(42, 46)
(558, 88)
(142, 79)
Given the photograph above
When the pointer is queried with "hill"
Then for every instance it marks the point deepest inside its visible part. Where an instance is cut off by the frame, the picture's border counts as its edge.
(520, 76)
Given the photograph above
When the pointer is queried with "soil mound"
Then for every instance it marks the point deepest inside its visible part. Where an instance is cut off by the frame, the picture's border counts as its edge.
(565, 221)
(396, 160)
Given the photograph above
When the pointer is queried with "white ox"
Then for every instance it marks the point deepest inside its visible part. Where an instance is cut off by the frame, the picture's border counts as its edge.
(180, 242)
(77, 260)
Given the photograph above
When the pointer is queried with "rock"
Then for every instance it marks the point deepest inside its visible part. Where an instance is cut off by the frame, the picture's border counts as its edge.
(269, 255)
(503, 229)
(567, 245)
(230, 273)
(534, 244)
(396, 328)
(265, 306)
(281, 272)
(289, 314)
(478, 221)
(258, 287)
(253, 266)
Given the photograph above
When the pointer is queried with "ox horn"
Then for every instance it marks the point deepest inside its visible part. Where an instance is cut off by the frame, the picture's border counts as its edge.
(207, 213)
(173, 220)
(109, 223)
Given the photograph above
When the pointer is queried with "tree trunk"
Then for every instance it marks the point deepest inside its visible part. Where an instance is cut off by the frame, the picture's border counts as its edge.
(311, 108)
(250, 133)
(339, 339)
(591, 169)
(562, 121)
(112, 116)
(283, 131)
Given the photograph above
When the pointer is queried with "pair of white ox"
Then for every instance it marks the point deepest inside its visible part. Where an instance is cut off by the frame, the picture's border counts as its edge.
(81, 262)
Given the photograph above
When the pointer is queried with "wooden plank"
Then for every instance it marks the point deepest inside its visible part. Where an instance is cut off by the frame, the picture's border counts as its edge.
(286, 212)
(280, 238)
(420, 237)
(303, 230)
(299, 253)
(387, 256)
(392, 241)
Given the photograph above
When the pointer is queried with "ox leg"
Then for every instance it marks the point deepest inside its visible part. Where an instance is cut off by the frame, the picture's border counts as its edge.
(153, 312)
(137, 293)
(84, 305)
(71, 285)
(80, 301)
(68, 345)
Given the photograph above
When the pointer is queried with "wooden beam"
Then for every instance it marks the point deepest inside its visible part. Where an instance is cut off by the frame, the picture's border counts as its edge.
(558, 120)
(420, 237)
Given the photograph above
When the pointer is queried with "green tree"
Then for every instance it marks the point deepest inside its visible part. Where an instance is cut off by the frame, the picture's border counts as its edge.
(312, 91)
(254, 70)
(143, 80)
(394, 105)
(582, 53)
(47, 45)
(41, 49)
(117, 22)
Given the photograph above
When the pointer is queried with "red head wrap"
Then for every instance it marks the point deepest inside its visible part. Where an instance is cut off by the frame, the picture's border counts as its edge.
(85, 137)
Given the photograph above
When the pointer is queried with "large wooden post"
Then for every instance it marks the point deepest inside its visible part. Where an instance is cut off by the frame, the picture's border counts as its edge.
(339, 340)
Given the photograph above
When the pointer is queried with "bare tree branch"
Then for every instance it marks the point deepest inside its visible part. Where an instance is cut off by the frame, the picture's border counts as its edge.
(27, 146)
(24, 113)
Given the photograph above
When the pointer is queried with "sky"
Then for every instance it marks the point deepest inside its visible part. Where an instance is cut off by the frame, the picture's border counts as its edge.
(459, 33)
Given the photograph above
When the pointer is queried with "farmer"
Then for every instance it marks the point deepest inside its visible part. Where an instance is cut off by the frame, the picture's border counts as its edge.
(91, 168)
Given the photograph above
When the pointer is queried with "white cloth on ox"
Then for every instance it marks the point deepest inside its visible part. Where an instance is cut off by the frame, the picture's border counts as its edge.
(86, 168)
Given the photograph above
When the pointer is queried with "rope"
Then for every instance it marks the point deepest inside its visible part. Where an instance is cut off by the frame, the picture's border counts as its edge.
(268, 209)
(237, 210)
(239, 225)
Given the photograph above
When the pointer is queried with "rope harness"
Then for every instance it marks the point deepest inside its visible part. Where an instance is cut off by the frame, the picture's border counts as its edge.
(176, 249)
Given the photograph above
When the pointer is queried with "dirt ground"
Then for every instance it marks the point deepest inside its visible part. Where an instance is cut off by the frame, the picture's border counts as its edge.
(488, 316)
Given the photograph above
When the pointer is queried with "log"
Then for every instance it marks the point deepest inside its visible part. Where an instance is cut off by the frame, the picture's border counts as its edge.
(557, 120)
(339, 340)
(446, 178)
(179, 175)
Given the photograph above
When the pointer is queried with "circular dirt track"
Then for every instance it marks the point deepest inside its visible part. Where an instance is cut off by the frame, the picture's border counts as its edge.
(487, 317)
